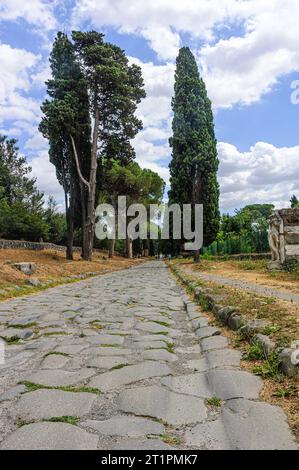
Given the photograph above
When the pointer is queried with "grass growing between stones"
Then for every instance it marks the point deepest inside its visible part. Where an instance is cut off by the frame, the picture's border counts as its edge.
(56, 419)
(162, 323)
(23, 327)
(269, 368)
(64, 419)
(255, 352)
(170, 347)
(32, 387)
(170, 439)
(214, 401)
(12, 340)
(55, 353)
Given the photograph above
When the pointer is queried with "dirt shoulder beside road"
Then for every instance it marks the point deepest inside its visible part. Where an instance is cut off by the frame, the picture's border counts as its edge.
(283, 318)
(51, 266)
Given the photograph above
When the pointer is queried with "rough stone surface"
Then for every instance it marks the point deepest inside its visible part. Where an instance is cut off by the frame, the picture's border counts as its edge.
(252, 425)
(114, 333)
(160, 355)
(162, 404)
(209, 436)
(131, 426)
(59, 378)
(50, 436)
(26, 268)
(128, 374)
(215, 342)
(43, 404)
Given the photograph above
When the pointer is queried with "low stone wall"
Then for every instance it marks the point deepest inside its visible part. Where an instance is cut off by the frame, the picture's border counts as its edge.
(37, 246)
(252, 330)
(24, 245)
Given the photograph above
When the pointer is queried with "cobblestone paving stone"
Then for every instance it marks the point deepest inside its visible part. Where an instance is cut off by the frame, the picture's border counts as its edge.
(116, 362)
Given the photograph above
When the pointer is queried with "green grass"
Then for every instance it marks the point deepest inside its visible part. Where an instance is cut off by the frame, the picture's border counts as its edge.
(56, 353)
(170, 347)
(22, 327)
(13, 340)
(162, 323)
(54, 333)
(269, 329)
(269, 368)
(165, 333)
(213, 401)
(65, 419)
(31, 387)
(255, 352)
(108, 345)
(169, 439)
(96, 325)
(285, 392)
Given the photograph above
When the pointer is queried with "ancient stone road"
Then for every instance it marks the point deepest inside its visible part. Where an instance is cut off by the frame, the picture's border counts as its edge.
(116, 362)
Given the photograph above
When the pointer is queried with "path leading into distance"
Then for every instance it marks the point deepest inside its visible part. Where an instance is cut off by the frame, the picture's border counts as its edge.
(116, 362)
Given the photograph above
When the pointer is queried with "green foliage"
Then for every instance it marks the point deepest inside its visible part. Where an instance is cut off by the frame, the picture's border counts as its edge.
(270, 367)
(22, 213)
(243, 232)
(294, 202)
(255, 352)
(65, 419)
(214, 401)
(285, 392)
(194, 164)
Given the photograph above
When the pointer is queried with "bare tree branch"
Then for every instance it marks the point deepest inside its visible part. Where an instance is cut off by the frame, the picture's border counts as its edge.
(78, 165)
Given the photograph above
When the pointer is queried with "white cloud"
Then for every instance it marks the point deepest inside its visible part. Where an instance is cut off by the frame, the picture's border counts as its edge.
(260, 45)
(45, 173)
(264, 174)
(36, 12)
(14, 80)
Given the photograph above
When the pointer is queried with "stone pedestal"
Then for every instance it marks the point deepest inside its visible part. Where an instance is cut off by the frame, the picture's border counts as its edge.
(284, 238)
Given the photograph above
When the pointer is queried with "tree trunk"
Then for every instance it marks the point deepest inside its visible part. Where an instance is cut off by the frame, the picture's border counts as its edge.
(89, 223)
(129, 248)
(69, 229)
(197, 256)
(111, 247)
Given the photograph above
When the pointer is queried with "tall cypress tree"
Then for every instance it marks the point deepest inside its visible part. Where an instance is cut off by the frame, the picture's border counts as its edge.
(194, 164)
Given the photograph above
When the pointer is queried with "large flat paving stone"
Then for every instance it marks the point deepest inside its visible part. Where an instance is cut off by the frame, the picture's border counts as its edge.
(151, 327)
(151, 345)
(60, 378)
(107, 362)
(214, 342)
(106, 351)
(160, 403)
(228, 384)
(159, 355)
(209, 436)
(223, 358)
(54, 361)
(107, 339)
(207, 331)
(190, 384)
(43, 404)
(71, 348)
(50, 436)
(129, 374)
(257, 426)
(130, 426)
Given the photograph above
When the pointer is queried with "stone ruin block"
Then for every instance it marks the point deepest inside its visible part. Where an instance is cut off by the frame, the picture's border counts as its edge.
(284, 237)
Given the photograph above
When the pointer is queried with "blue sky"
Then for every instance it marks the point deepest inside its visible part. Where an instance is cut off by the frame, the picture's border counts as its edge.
(247, 51)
